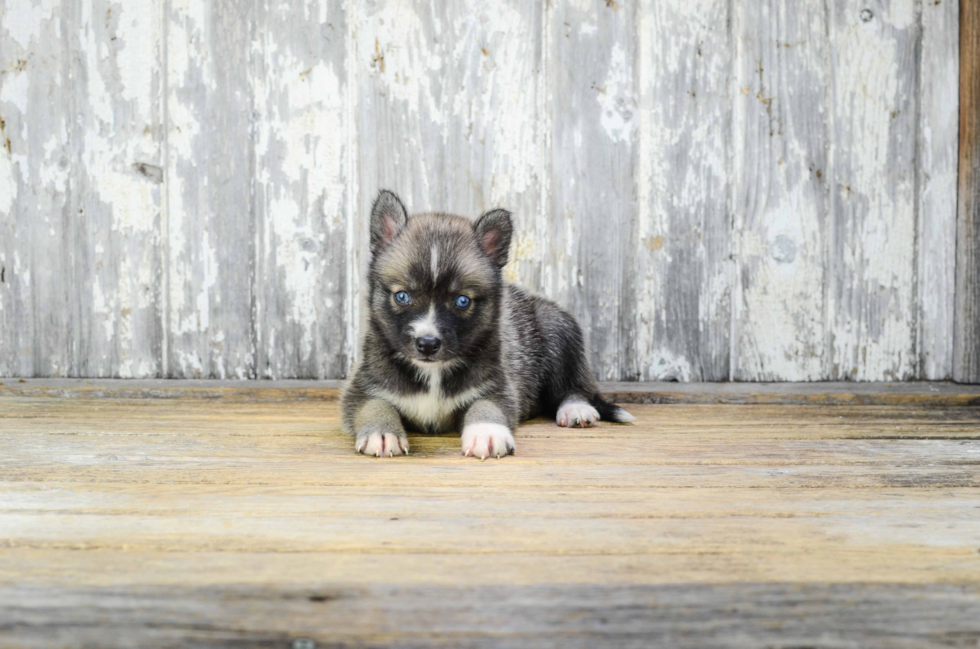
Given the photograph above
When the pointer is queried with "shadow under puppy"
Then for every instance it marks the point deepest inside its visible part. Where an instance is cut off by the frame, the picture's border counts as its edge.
(451, 347)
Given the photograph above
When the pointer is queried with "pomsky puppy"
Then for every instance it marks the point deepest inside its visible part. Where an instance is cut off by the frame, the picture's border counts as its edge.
(451, 347)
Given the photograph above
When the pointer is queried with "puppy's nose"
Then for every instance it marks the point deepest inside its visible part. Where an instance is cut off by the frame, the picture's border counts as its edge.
(427, 344)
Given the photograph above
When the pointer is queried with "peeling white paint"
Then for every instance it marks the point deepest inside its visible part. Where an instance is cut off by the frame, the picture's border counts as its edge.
(779, 316)
(616, 98)
(139, 32)
(9, 185)
(937, 180)
(683, 184)
(14, 89)
(664, 366)
(302, 152)
(874, 336)
(23, 21)
(455, 107)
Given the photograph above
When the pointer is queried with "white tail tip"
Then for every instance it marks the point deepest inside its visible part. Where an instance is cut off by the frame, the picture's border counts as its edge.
(622, 417)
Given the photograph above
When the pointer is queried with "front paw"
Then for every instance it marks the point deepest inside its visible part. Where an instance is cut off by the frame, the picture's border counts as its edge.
(381, 443)
(485, 440)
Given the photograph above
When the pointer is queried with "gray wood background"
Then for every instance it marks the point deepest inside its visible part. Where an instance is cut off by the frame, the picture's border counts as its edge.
(718, 189)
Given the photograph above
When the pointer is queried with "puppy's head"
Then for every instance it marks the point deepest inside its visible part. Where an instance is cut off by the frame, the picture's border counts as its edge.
(436, 280)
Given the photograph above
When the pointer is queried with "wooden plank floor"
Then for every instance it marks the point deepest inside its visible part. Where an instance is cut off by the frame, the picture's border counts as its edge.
(181, 522)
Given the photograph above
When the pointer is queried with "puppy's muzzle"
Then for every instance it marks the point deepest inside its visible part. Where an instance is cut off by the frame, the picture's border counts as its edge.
(427, 345)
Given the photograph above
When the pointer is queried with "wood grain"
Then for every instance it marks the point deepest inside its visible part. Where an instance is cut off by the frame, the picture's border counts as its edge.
(577, 616)
(936, 187)
(746, 191)
(302, 188)
(219, 523)
(211, 231)
(594, 115)
(966, 357)
(947, 395)
(872, 237)
(683, 243)
(781, 203)
(36, 330)
(114, 242)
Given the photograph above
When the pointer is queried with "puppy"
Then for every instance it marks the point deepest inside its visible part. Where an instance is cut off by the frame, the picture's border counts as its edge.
(451, 347)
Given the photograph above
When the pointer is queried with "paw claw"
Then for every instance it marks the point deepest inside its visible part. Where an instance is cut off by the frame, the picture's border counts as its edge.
(485, 440)
(376, 443)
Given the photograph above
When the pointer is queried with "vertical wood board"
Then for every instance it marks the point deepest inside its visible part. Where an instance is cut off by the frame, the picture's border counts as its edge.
(781, 204)
(936, 186)
(594, 113)
(210, 233)
(114, 242)
(966, 358)
(36, 130)
(683, 242)
(872, 241)
(301, 188)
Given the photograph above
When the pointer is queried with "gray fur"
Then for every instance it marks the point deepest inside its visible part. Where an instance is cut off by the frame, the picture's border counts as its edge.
(503, 358)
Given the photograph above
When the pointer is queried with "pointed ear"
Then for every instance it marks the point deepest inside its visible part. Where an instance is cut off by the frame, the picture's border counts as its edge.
(388, 216)
(493, 231)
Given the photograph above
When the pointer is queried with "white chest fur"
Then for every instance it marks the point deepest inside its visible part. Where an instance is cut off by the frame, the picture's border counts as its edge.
(432, 408)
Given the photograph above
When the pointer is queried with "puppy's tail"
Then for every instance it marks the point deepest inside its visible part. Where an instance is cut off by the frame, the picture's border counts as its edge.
(610, 411)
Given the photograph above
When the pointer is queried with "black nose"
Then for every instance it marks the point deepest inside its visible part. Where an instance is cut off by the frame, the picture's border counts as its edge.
(427, 344)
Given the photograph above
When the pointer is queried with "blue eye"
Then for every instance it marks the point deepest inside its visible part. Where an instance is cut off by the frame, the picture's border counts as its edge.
(402, 297)
(462, 301)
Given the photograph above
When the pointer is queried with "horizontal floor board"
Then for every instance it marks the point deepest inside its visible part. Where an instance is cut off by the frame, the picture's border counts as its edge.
(586, 616)
(936, 393)
(249, 520)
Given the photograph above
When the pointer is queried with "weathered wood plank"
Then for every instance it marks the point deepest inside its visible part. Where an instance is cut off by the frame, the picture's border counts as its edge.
(938, 103)
(37, 124)
(302, 187)
(240, 445)
(872, 237)
(683, 270)
(447, 116)
(210, 233)
(114, 244)
(234, 524)
(782, 205)
(966, 355)
(594, 112)
(544, 527)
(217, 523)
(330, 614)
(946, 395)
(607, 128)
(74, 567)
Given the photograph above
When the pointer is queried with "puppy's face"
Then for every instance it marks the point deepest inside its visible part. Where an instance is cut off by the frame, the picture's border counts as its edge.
(435, 280)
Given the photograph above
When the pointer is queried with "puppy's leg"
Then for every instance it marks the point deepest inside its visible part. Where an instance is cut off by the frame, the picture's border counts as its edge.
(486, 432)
(571, 386)
(379, 431)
